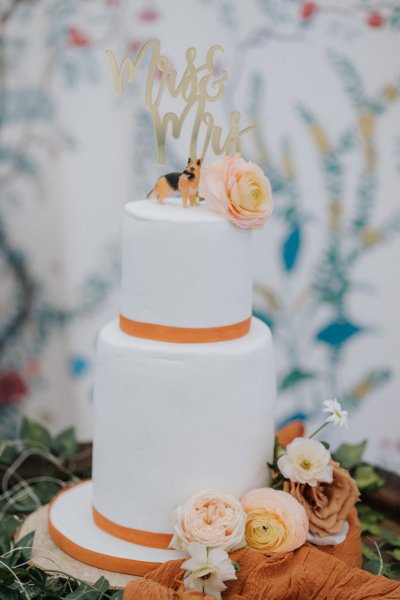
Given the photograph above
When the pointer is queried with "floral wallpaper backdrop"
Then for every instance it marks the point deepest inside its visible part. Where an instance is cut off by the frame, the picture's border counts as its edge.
(322, 83)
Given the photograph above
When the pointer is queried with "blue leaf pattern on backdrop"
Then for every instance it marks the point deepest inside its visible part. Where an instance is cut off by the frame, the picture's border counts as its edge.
(337, 333)
(264, 318)
(291, 248)
(78, 365)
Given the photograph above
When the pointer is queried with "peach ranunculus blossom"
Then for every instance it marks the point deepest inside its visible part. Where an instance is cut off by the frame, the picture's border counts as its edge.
(274, 522)
(237, 190)
(212, 518)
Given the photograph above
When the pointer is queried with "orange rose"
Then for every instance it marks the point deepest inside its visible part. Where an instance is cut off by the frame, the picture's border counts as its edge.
(327, 504)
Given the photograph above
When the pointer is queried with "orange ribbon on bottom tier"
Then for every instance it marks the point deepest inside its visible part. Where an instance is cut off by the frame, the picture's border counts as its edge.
(135, 536)
(184, 335)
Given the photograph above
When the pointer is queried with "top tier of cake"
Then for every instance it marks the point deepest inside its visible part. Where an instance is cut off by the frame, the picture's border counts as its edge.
(184, 268)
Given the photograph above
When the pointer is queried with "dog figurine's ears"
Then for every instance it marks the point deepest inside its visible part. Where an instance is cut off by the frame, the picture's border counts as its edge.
(198, 161)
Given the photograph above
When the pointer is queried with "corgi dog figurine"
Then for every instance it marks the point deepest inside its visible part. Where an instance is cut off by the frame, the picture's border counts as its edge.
(186, 183)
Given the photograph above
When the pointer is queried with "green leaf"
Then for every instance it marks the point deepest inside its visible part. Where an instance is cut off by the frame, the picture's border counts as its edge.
(37, 575)
(369, 519)
(373, 566)
(368, 514)
(65, 445)
(293, 378)
(367, 478)
(45, 490)
(8, 452)
(33, 434)
(8, 594)
(236, 566)
(368, 552)
(395, 553)
(371, 528)
(392, 571)
(102, 585)
(8, 527)
(118, 595)
(350, 455)
(83, 592)
(22, 549)
(391, 538)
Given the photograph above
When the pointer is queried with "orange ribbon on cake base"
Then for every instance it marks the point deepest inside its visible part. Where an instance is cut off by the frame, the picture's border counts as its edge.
(135, 536)
(184, 335)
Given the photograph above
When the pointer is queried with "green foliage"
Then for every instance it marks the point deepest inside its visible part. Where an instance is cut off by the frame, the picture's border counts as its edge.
(19, 579)
(370, 519)
(350, 455)
(277, 478)
(32, 436)
(367, 478)
(380, 559)
(65, 445)
(350, 77)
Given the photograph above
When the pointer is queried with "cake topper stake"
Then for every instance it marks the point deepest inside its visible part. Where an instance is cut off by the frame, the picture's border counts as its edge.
(197, 87)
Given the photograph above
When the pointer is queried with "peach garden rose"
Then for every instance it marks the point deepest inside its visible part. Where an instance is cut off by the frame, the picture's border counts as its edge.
(237, 190)
(274, 522)
(212, 518)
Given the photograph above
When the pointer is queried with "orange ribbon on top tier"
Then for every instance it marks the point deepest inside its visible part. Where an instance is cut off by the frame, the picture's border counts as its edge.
(184, 335)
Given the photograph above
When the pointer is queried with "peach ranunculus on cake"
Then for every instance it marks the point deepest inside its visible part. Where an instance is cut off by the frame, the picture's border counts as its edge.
(237, 190)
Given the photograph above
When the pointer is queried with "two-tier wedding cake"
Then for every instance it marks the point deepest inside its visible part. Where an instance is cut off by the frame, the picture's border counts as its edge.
(184, 388)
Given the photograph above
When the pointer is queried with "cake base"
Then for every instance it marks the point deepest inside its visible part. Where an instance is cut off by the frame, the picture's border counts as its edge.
(47, 556)
(72, 529)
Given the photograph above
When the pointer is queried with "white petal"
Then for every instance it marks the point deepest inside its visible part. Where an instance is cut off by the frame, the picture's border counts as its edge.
(198, 552)
(193, 564)
(193, 583)
(285, 466)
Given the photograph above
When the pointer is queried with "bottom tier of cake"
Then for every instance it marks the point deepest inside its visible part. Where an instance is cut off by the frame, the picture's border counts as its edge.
(73, 530)
(173, 419)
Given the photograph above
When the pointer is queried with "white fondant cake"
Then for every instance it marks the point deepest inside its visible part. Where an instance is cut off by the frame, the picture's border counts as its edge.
(172, 418)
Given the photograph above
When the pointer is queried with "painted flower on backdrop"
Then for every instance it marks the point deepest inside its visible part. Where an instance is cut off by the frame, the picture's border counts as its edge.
(306, 461)
(276, 521)
(212, 518)
(207, 569)
(237, 190)
(337, 416)
(327, 505)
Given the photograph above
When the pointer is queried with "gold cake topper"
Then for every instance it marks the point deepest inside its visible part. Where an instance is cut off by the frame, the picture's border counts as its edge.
(197, 87)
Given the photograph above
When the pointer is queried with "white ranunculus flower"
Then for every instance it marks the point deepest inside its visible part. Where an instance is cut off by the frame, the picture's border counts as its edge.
(306, 461)
(207, 569)
(337, 416)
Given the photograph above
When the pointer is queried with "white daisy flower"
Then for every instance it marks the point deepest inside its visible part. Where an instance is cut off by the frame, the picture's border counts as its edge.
(337, 416)
(207, 569)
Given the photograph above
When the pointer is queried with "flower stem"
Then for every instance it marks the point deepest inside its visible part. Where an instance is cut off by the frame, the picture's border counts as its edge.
(324, 424)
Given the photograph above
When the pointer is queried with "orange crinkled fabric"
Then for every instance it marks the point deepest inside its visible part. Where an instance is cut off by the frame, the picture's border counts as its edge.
(309, 573)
